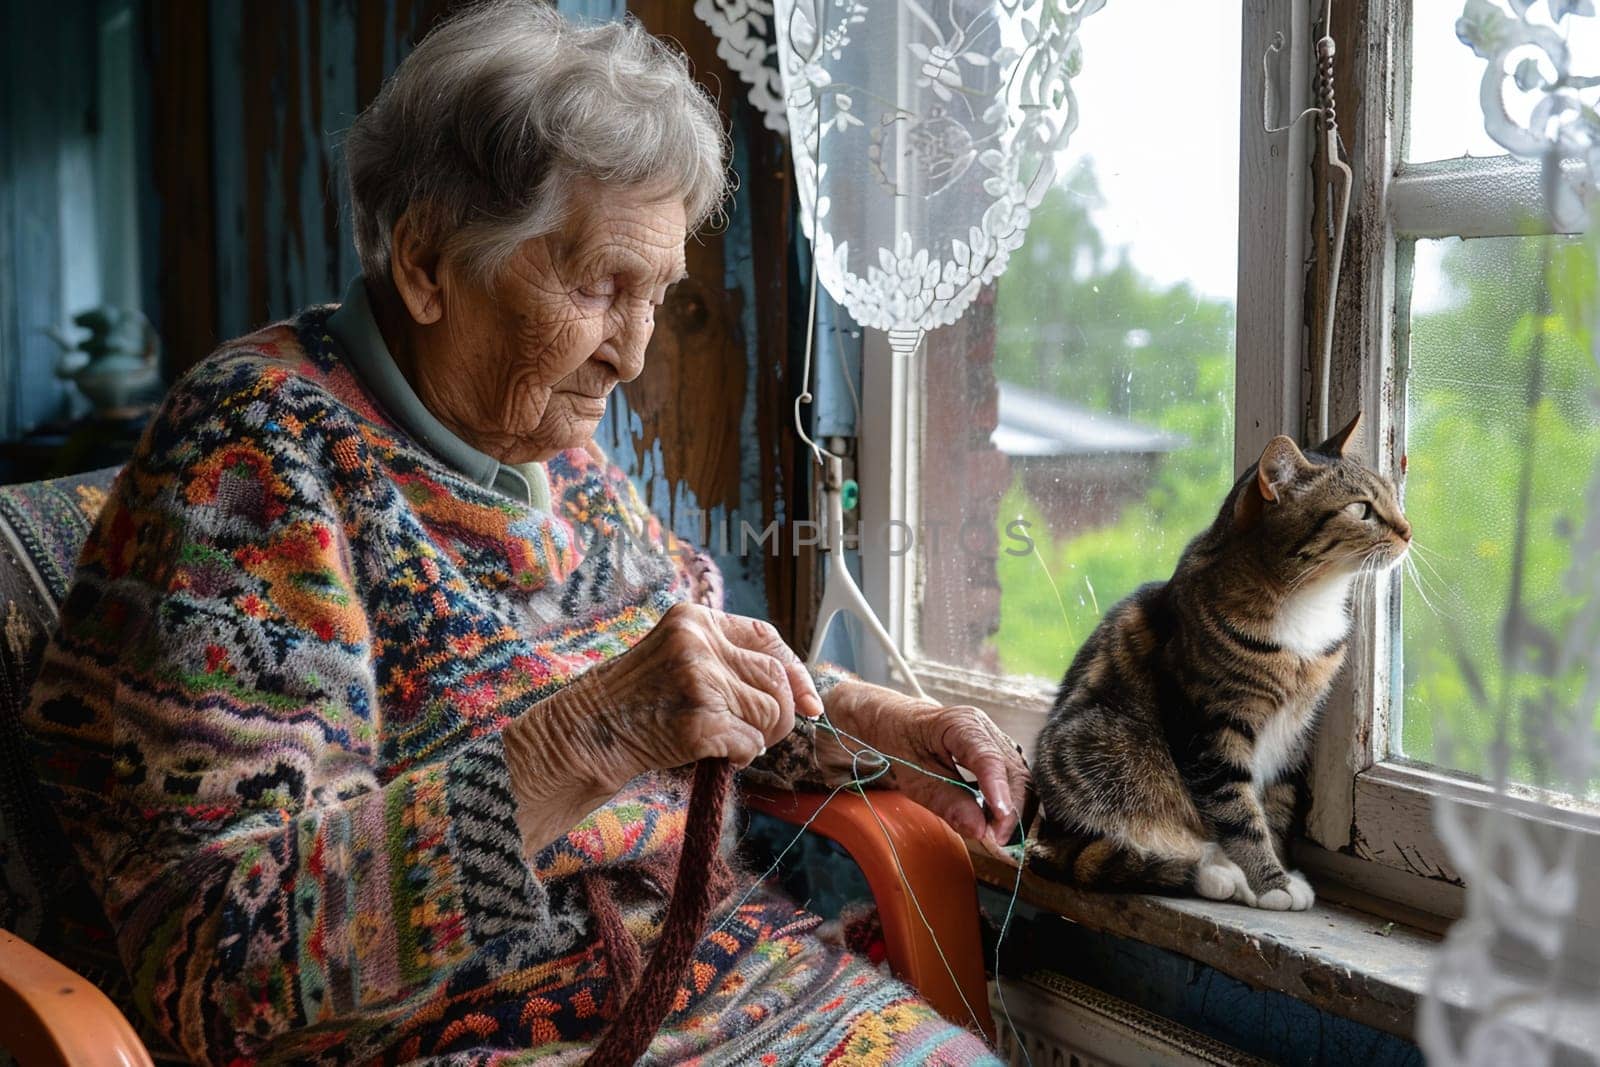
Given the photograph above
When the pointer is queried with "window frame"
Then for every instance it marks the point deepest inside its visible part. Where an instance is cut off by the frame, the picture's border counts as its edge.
(1370, 821)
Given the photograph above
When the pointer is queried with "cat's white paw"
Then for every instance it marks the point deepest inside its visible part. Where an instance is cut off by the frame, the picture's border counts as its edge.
(1275, 900)
(1301, 894)
(1296, 896)
(1219, 878)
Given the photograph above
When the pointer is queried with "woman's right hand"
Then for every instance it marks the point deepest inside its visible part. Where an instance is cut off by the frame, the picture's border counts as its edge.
(701, 684)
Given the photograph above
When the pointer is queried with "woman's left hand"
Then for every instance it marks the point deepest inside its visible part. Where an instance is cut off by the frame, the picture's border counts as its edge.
(937, 738)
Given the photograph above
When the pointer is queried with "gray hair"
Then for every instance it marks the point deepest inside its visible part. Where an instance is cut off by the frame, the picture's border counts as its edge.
(483, 129)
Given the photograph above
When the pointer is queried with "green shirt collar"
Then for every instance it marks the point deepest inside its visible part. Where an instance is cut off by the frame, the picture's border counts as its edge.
(356, 330)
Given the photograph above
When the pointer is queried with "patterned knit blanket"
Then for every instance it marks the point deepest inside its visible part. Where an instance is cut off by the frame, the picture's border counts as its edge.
(271, 723)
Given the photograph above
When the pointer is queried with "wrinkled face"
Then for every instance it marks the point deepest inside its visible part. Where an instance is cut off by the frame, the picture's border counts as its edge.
(521, 368)
(1333, 516)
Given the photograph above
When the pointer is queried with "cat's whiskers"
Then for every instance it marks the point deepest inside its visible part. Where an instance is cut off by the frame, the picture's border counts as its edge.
(1373, 565)
(1442, 591)
(1425, 587)
(1434, 571)
(1416, 574)
(1422, 592)
(1316, 569)
(1367, 574)
(1411, 575)
(1320, 567)
(1427, 550)
(1437, 576)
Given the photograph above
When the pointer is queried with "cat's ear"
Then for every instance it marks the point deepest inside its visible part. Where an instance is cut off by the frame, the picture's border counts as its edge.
(1247, 508)
(1339, 442)
(1281, 462)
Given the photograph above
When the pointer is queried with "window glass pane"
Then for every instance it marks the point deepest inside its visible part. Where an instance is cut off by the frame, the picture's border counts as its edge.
(1445, 118)
(1445, 121)
(1502, 441)
(1090, 396)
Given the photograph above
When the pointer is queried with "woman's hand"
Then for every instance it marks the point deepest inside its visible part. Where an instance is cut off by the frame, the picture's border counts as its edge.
(701, 684)
(937, 738)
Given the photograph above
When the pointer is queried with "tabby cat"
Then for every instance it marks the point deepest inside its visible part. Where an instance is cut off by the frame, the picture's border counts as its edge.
(1169, 760)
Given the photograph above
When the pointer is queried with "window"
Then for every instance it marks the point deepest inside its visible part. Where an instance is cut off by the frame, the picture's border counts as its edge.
(1128, 372)
(1490, 412)
(1497, 382)
(1498, 385)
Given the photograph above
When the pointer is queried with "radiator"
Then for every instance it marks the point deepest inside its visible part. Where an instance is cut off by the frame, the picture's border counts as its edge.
(1064, 1023)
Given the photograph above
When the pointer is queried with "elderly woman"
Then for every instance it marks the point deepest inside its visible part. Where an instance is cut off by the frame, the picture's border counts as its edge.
(367, 697)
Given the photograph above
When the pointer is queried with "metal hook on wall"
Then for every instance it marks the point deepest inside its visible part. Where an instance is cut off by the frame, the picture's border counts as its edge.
(1340, 180)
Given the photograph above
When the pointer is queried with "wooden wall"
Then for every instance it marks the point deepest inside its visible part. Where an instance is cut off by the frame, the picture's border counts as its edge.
(247, 101)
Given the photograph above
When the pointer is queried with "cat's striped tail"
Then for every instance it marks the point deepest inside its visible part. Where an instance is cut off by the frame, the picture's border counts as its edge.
(1093, 861)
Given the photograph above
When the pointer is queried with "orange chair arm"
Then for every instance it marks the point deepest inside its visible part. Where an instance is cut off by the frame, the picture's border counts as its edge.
(52, 1017)
(936, 869)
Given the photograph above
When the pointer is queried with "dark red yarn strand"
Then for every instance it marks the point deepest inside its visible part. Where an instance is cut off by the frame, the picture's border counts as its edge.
(693, 893)
(621, 949)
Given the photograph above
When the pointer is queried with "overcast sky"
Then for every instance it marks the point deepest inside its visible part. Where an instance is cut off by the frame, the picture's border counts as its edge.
(1159, 107)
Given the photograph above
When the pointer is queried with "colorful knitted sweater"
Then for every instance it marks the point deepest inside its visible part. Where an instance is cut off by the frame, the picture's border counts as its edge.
(271, 725)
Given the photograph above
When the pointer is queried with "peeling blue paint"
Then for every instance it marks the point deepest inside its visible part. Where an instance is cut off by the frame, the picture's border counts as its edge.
(715, 530)
(739, 274)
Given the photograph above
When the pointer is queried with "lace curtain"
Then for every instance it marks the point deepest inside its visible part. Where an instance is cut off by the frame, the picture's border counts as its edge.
(1518, 969)
(924, 133)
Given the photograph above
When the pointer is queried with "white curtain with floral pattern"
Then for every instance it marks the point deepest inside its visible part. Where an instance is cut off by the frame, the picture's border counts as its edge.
(924, 133)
